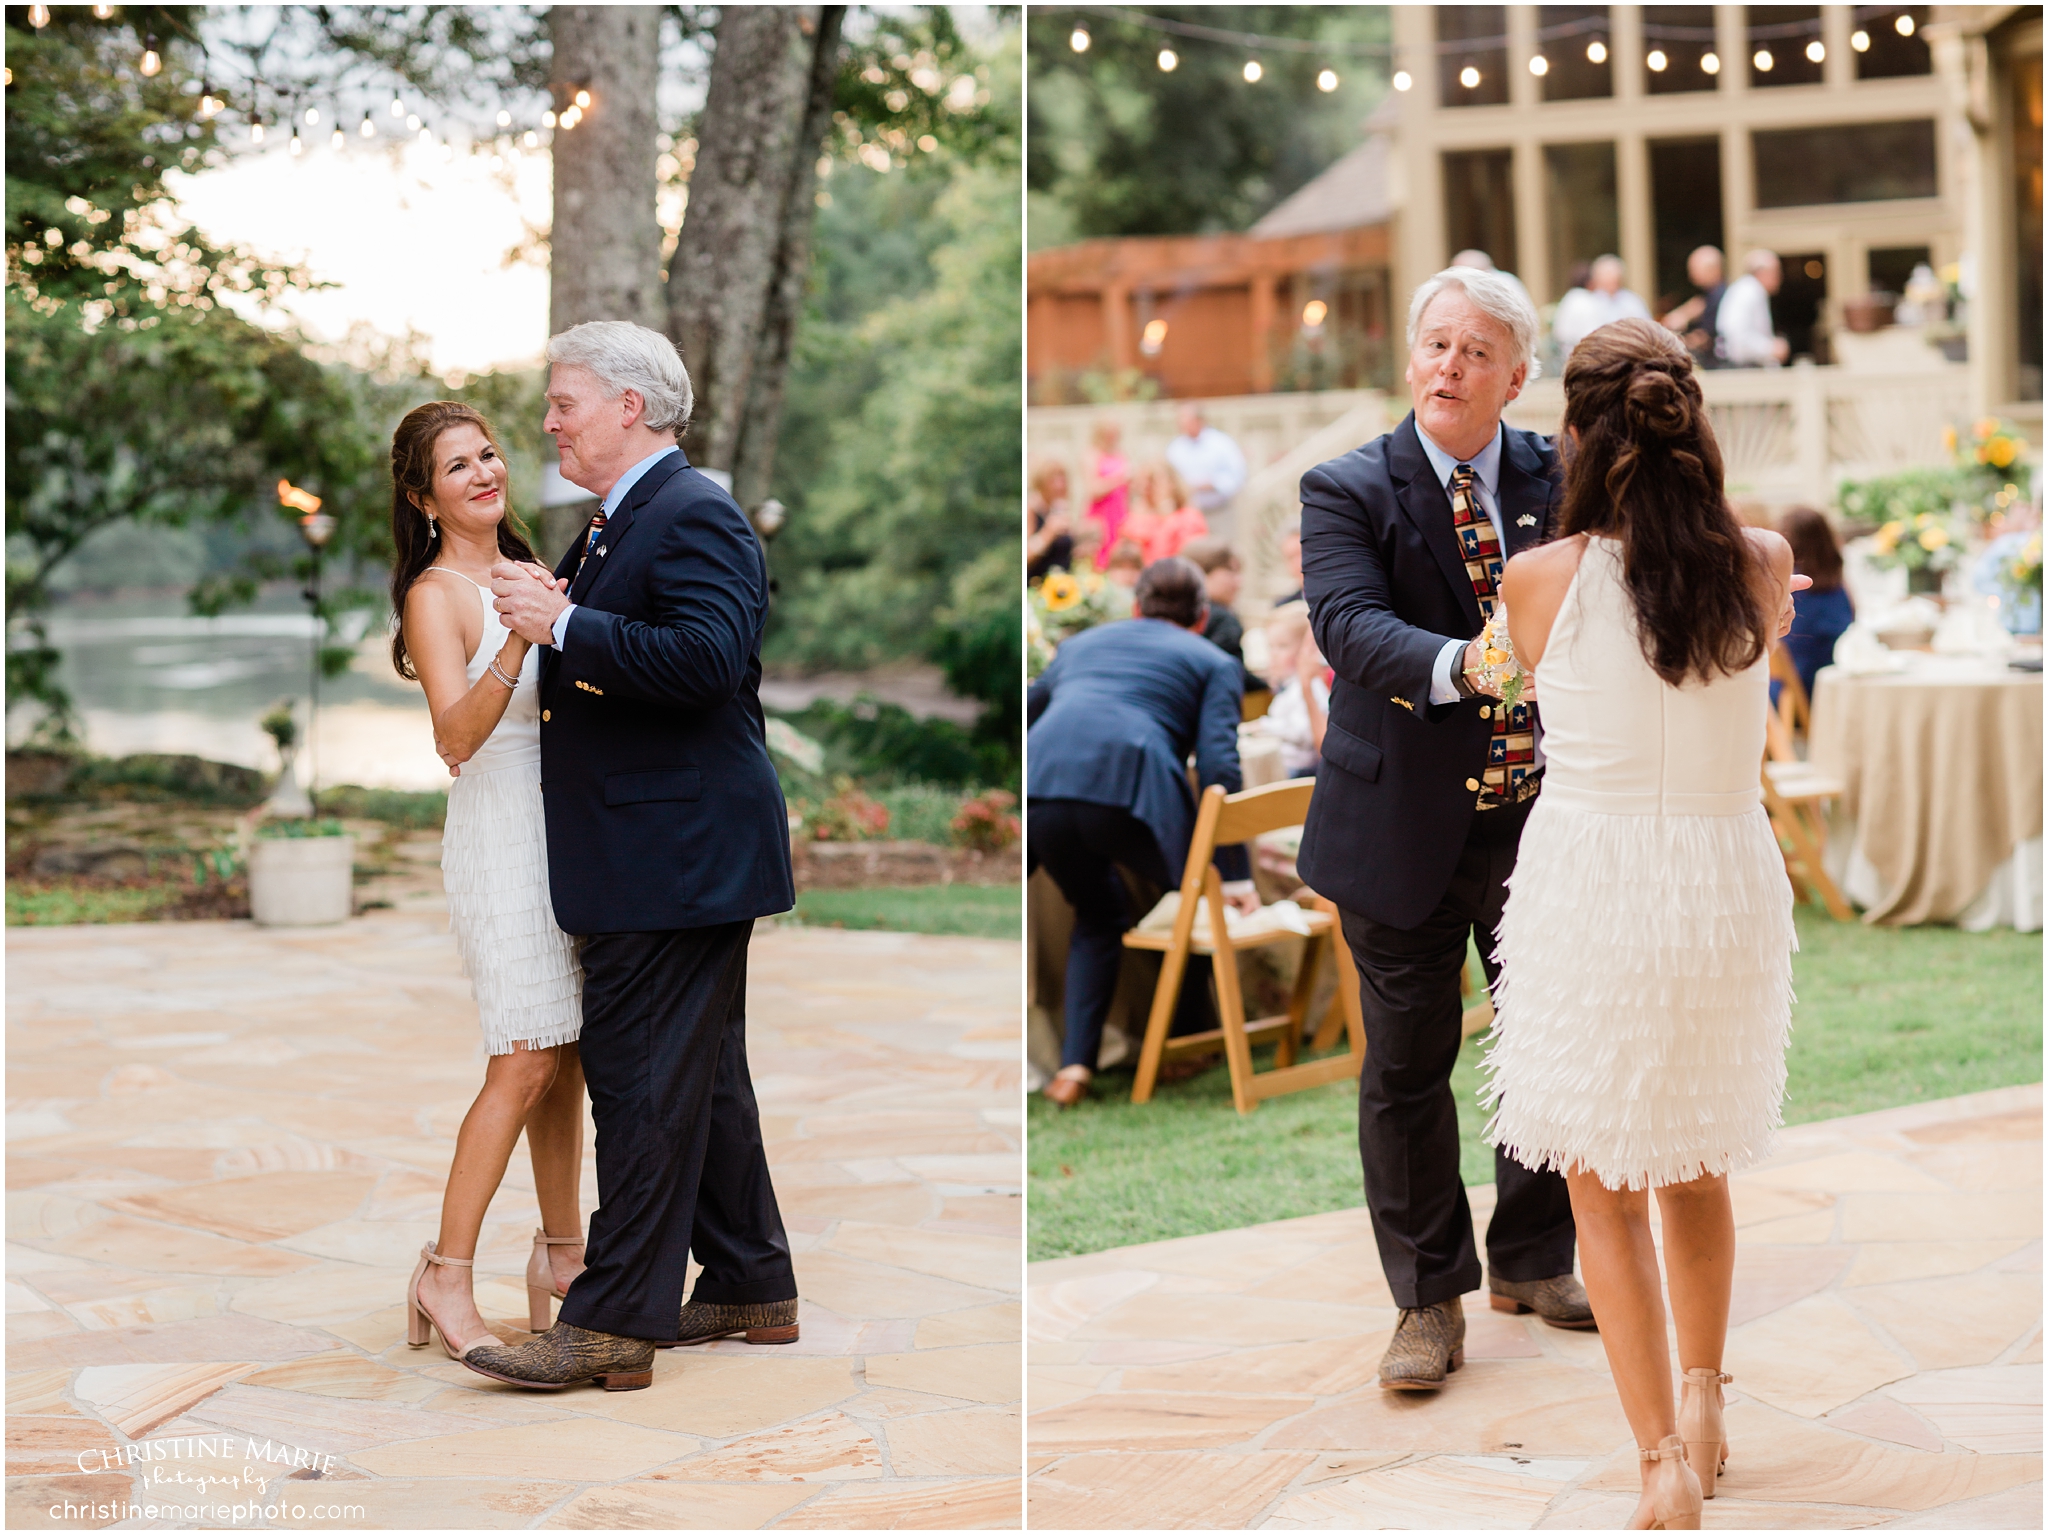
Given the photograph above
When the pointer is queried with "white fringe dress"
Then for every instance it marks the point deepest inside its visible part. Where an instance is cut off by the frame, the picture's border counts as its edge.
(1645, 993)
(494, 867)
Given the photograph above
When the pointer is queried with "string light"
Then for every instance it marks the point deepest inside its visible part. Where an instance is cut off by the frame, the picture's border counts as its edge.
(1763, 60)
(504, 119)
(1254, 71)
(1710, 63)
(1816, 51)
(210, 105)
(1326, 81)
(1468, 77)
(1538, 65)
(337, 139)
(1657, 61)
(532, 139)
(297, 147)
(1596, 51)
(1860, 40)
(397, 107)
(572, 117)
(1078, 39)
(255, 129)
(1154, 339)
(103, 13)
(583, 100)
(547, 119)
(426, 135)
(1904, 25)
(412, 123)
(368, 129)
(312, 117)
(39, 16)
(1402, 80)
(152, 61)
(1169, 61)
(1313, 313)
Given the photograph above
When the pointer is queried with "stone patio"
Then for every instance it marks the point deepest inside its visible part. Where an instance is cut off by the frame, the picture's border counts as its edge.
(227, 1145)
(1885, 1344)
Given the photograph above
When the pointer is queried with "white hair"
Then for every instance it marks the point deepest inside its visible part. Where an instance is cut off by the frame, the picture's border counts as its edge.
(1497, 296)
(622, 356)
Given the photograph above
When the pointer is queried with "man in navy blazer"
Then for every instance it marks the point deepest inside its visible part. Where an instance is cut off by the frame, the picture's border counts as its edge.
(1428, 780)
(1114, 720)
(667, 837)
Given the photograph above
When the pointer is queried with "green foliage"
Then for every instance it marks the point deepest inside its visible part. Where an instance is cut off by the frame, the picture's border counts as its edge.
(1885, 1016)
(158, 777)
(885, 744)
(972, 911)
(35, 905)
(281, 725)
(298, 831)
(1119, 146)
(404, 809)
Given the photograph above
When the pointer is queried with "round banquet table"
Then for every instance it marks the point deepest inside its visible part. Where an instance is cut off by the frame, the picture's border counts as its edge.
(1940, 819)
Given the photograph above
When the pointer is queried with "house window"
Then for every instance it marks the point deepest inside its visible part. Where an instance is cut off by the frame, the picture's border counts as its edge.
(1683, 35)
(1685, 207)
(1472, 55)
(1479, 203)
(1844, 163)
(1888, 52)
(1574, 42)
(1584, 210)
(1892, 266)
(1783, 45)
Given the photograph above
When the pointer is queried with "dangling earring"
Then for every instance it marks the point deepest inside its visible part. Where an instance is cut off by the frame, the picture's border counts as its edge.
(433, 529)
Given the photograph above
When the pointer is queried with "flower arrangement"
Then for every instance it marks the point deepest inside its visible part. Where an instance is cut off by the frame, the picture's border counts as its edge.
(1921, 542)
(1064, 604)
(985, 823)
(1500, 669)
(1992, 472)
(2023, 567)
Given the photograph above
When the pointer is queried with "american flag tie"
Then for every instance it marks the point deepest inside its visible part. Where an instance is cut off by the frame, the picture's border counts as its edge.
(1511, 754)
(590, 539)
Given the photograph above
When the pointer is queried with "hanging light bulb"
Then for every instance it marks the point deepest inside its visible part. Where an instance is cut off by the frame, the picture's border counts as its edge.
(583, 100)
(1657, 61)
(547, 119)
(1254, 71)
(152, 61)
(1468, 77)
(1313, 313)
(1710, 63)
(39, 16)
(1402, 80)
(255, 129)
(1763, 61)
(1904, 25)
(1169, 61)
(1816, 51)
(412, 123)
(1078, 39)
(368, 129)
(1596, 51)
(532, 139)
(1538, 65)
(312, 117)
(297, 147)
(426, 135)
(337, 139)
(1326, 81)
(397, 107)
(103, 13)
(1860, 40)
(504, 119)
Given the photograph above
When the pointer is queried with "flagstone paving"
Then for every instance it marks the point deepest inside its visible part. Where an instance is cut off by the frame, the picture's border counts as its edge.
(227, 1144)
(1886, 1349)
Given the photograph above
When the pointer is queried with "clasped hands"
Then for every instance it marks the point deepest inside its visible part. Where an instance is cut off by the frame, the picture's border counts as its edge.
(529, 599)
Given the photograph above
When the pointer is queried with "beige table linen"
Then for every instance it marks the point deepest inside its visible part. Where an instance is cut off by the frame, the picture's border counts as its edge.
(1942, 768)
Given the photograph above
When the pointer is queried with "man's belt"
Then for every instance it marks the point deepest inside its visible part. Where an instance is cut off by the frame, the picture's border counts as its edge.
(1523, 789)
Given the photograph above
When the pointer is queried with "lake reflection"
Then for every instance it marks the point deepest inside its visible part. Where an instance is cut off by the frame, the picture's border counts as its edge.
(148, 677)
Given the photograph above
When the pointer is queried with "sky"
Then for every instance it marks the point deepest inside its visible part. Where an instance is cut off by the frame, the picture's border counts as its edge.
(416, 240)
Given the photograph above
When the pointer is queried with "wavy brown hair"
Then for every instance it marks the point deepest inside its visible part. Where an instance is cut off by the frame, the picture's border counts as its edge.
(1641, 466)
(1815, 552)
(412, 474)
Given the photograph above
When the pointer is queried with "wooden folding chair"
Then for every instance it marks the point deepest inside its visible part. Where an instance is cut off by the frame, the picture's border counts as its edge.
(1223, 820)
(1795, 793)
(1794, 707)
(1257, 700)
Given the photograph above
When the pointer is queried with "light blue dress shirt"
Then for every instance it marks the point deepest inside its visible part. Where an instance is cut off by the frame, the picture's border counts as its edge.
(616, 498)
(1486, 485)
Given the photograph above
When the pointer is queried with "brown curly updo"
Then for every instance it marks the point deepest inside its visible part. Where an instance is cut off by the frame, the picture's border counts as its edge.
(1641, 466)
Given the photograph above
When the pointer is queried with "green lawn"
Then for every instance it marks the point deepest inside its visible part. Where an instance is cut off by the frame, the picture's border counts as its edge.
(1884, 1017)
(973, 911)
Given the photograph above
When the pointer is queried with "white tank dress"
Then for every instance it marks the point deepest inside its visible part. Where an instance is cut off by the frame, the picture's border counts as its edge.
(1645, 994)
(494, 867)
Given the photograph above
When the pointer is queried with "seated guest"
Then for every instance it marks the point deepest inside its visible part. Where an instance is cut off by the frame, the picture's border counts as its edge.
(1123, 564)
(1180, 519)
(1113, 721)
(1822, 613)
(1290, 556)
(1109, 487)
(1300, 680)
(1223, 577)
(1049, 544)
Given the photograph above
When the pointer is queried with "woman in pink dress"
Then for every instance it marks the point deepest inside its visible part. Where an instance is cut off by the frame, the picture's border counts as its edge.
(1109, 488)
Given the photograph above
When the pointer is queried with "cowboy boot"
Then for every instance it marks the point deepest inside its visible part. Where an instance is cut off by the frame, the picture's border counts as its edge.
(566, 1355)
(762, 1321)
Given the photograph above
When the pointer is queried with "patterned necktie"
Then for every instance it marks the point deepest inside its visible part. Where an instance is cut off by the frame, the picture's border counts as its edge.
(590, 539)
(1511, 754)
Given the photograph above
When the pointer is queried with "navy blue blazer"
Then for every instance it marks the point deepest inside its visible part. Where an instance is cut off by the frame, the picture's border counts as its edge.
(1386, 588)
(1115, 716)
(663, 808)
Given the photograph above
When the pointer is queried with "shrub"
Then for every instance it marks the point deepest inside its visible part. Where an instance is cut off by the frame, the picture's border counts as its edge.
(985, 823)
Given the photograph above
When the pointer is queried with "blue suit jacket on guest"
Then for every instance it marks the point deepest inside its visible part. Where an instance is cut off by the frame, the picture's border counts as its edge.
(1115, 716)
(663, 809)
(1386, 587)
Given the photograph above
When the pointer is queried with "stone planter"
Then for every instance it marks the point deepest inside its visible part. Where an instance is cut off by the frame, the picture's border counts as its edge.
(302, 881)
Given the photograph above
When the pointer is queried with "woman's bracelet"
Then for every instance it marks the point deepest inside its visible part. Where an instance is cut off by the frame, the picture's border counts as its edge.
(496, 671)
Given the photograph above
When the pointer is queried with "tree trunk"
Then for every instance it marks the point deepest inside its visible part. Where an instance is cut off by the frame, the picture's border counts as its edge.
(606, 262)
(724, 273)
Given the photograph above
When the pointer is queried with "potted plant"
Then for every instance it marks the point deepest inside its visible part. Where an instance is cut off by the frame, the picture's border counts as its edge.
(301, 873)
(1915, 514)
(287, 798)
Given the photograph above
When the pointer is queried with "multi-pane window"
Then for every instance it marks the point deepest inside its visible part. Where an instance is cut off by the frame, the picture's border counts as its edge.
(1583, 209)
(1572, 59)
(1890, 40)
(1472, 55)
(1844, 163)
(1479, 203)
(1679, 49)
(1785, 45)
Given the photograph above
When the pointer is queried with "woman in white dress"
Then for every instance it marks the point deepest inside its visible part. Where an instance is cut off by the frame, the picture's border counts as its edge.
(450, 521)
(1646, 944)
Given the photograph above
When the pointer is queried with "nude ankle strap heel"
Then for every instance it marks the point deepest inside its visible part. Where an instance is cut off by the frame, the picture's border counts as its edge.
(1670, 1501)
(419, 1327)
(540, 1279)
(1701, 1427)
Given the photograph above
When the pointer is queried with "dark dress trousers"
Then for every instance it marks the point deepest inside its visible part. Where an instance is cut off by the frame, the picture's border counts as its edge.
(667, 837)
(1395, 839)
(1114, 720)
